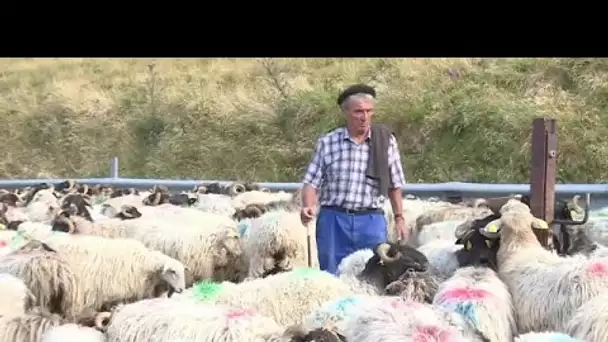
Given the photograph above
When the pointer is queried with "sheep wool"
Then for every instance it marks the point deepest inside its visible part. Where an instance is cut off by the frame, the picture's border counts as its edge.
(441, 255)
(331, 315)
(286, 297)
(27, 328)
(14, 296)
(546, 337)
(277, 239)
(162, 319)
(482, 299)
(355, 262)
(48, 275)
(534, 274)
(416, 286)
(590, 321)
(72, 333)
(398, 320)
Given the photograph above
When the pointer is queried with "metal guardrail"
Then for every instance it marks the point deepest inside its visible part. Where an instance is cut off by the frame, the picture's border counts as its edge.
(442, 190)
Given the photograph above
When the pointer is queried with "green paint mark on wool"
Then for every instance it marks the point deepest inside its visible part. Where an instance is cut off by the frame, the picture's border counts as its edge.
(306, 272)
(206, 290)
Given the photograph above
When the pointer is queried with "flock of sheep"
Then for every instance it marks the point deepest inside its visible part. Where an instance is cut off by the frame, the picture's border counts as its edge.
(233, 263)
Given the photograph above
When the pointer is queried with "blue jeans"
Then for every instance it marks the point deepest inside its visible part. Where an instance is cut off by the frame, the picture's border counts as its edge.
(340, 234)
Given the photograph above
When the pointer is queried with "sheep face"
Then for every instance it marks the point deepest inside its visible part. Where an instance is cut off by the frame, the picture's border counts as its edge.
(391, 260)
(77, 205)
(65, 186)
(128, 212)
(156, 198)
(250, 211)
(229, 259)
(10, 199)
(182, 199)
(214, 188)
(478, 250)
(173, 275)
(63, 222)
(514, 225)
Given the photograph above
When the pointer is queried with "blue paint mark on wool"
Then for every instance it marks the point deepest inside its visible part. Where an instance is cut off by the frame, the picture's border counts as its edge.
(468, 311)
(243, 227)
(336, 310)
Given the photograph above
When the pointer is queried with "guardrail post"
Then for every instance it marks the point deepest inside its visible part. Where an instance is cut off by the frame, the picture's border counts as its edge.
(114, 168)
(543, 173)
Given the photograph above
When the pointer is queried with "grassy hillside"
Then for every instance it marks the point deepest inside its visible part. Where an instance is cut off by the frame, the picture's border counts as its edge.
(256, 119)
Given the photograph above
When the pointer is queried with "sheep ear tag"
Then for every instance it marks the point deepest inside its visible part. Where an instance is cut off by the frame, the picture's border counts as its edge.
(468, 246)
(542, 224)
(492, 228)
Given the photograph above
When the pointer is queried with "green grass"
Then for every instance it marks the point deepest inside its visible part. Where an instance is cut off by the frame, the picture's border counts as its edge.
(258, 119)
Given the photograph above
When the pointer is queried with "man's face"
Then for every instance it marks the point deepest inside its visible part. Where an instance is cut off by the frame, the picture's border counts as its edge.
(359, 114)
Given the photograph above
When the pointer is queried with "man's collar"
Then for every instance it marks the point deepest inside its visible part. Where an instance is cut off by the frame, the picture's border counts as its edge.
(346, 135)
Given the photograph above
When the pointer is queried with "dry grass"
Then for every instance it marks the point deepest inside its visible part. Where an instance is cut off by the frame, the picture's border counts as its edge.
(254, 119)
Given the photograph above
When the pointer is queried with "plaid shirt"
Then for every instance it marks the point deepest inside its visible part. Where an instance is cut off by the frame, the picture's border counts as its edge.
(339, 168)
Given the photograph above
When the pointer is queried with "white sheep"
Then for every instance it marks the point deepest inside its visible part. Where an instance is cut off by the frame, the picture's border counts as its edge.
(162, 320)
(482, 299)
(541, 282)
(15, 297)
(393, 319)
(443, 230)
(209, 248)
(278, 240)
(354, 263)
(46, 274)
(241, 200)
(286, 297)
(73, 333)
(589, 322)
(136, 272)
(43, 206)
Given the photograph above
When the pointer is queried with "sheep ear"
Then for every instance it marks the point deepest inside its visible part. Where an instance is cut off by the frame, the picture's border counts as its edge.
(463, 228)
(491, 230)
(540, 224)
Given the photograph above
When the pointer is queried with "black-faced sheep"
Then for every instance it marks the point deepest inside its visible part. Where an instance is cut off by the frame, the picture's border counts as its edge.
(389, 262)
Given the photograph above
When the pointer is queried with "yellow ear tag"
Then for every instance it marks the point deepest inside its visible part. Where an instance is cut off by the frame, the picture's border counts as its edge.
(493, 228)
(543, 224)
(573, 213)
(468, 246)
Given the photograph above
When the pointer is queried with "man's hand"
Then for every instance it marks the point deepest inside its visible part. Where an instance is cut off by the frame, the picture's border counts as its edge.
(400, 227)
(307, 214)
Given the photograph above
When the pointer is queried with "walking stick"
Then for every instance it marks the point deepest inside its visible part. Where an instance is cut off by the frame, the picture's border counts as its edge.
(308, 245)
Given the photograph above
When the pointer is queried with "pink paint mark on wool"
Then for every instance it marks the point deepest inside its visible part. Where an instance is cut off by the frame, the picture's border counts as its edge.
(429, 333)
(3, 243)
(238, 313)
(598, 269)
(465, 293)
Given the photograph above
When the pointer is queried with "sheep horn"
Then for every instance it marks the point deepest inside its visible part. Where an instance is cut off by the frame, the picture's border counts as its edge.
(382, 252)
(480, 203)
(265, 190)
(71, 184)
(85, 189)
(157, 198)
(102, 320)
(575, 206)
(236, 189)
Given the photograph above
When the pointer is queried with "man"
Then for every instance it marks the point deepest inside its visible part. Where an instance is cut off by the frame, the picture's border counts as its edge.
(353, 169)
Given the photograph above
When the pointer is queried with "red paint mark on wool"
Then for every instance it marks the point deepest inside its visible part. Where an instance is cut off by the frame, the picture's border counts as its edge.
(3, 243)
(429, 333)
(465, 293)
(238, 313)
(598, 269)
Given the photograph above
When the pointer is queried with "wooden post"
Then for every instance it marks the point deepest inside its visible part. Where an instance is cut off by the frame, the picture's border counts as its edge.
(543, 173)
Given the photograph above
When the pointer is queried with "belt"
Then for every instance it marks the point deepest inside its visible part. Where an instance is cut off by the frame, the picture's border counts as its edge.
(363, 211)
